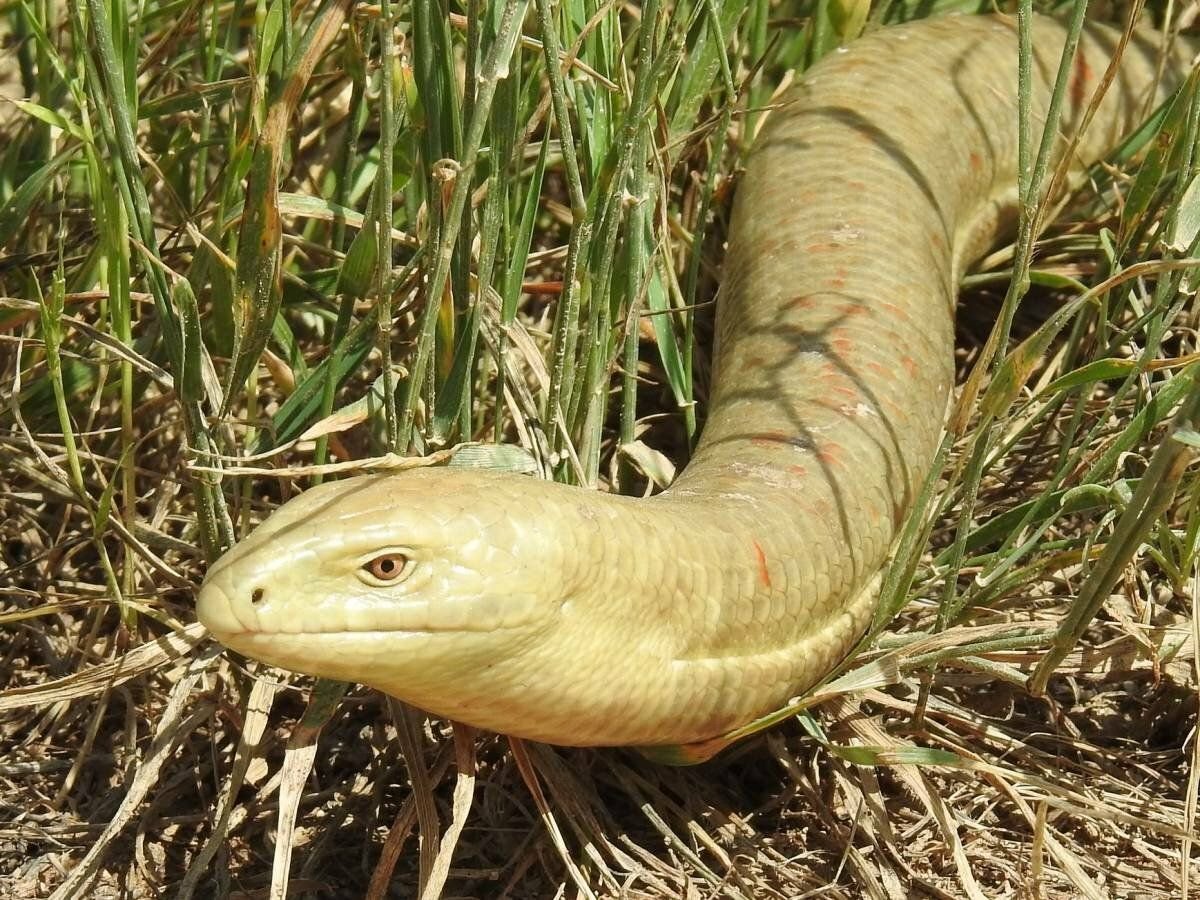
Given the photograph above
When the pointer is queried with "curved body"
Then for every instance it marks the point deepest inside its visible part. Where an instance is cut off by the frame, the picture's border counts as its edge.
(575, 617)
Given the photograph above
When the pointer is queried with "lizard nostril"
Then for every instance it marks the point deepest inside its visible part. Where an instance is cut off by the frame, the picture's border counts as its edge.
(256, 596)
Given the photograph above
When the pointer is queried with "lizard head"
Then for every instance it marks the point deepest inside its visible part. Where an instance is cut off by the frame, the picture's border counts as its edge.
(432, 585)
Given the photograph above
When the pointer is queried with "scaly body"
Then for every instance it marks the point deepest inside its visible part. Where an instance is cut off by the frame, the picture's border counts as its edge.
(576, 617)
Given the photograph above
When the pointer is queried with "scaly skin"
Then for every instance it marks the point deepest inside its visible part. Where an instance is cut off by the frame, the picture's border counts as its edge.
(581, 618)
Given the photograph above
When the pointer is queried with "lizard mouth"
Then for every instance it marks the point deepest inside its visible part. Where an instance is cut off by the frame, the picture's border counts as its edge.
(259, 620)
(408, 663)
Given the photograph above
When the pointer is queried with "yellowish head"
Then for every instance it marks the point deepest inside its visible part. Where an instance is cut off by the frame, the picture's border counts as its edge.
(424, 584)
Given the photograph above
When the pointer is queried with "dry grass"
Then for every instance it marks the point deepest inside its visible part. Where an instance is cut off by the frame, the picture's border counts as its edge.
(137, 760)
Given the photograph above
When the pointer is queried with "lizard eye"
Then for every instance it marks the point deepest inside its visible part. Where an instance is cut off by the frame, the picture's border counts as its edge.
(387, 567)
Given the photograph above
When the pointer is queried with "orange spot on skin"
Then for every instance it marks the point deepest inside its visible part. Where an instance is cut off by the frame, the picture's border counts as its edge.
(853, 309)
(910, 366)
(896, 312)
(823, 247)
(846, 391)
(879, 368)
(1081, 79)
(894, 412)
(976, 162)
(843, 346)
(804, 301)
(802, 471)
(766, 440)
(830, 455)
(767, 247)
(836, 283)
(773, 438)
(856, 185)
(763, 574)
